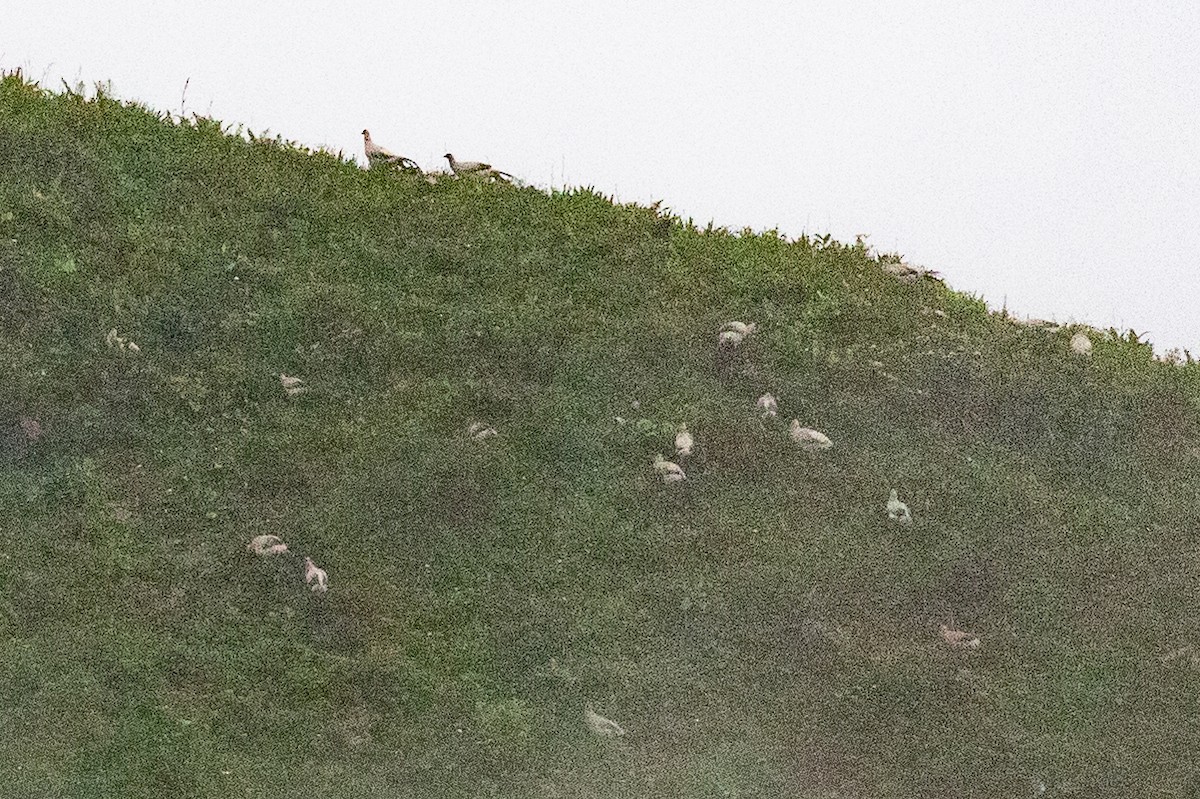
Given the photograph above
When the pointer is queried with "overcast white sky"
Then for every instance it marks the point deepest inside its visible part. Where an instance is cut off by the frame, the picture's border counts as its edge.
(1042, 153)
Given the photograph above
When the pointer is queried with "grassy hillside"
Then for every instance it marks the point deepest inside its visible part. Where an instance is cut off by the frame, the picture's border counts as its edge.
(760, 630)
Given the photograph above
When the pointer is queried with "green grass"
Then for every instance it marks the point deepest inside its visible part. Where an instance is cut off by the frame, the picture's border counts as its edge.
(759, 630)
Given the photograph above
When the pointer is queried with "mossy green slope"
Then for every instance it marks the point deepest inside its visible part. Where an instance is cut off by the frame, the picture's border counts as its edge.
(759, 630)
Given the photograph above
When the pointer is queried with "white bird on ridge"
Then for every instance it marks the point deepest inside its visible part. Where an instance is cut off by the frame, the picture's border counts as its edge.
(1081, 344)
(683, 442)
(599, 725)
(807, 438)
(897, 511)
(380, 155)
(266, 545)
(475, 168)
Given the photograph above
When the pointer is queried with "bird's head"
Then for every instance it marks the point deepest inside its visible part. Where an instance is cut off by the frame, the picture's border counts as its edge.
(448, 157)
(366, 133)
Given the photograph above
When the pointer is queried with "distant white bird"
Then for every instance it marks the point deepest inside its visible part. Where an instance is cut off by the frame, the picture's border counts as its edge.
(475, 169)
(481, 432)
(378, 155)
(266, 545)
(1081, 344)
(315, 575)
(683, 442)
(670, 472)
(807, 438)
(897, 511)
(599, 725)
(768, 405)
(741, 328)
(906, 273)
(293, 386)
(957, 639)
(120, 342)
(730, 339)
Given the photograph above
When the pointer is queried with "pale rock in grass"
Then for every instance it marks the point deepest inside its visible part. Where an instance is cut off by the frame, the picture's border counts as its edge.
(897, 511)
(957, 639)
(599, 725)
(476, 169)
(1081, 344)
(377, 155)
(768, 406)
(683, 442)
(267, 545)
(481, 432)
(669, 472)
(315, 577)
(292, 386)
(809, 440)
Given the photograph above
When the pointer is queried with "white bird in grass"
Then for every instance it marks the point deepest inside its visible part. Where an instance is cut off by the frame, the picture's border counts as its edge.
(742, 328)
(768, 405)
(732, 334)
(293, 386)
(808, 439)
(120, 342)
(475, 169)
(481, 432)
(957, 639)
(897, 511)
(315, 575)
(1081, 344)
(267, 545)
(683, 442)
(670, 472)
(906, 273)
(379, 155)
(599, 725)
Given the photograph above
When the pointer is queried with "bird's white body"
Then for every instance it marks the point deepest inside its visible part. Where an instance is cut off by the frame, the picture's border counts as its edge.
(382, 155)
(601, 726)
(730, 338)
(957, 639)
(1081, 344)
(475, 168)
(768, 406)
(906, 273)
(732, 334)
(807, 438)
(897, 511)
(267, 545)
(669, 471)
(292, 386)
(117, 342)
(742, 328)
(481, 432)
(315, 577)
(684, 442)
